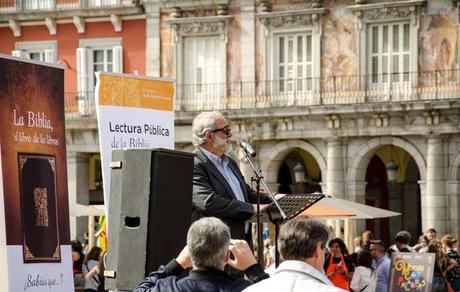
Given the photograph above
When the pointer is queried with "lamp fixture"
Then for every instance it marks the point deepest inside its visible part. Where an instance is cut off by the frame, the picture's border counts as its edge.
(299, 172)
(391, 167)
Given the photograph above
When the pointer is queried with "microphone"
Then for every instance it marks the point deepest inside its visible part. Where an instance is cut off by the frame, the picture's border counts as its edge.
(248, 148)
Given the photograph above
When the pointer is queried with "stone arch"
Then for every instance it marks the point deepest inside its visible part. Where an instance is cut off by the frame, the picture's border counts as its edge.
(357, 169)
(272, 159)
(454, 168)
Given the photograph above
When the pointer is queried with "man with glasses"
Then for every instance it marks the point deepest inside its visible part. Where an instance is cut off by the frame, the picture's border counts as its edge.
(219, 188)
(382, 265)
(302, 244)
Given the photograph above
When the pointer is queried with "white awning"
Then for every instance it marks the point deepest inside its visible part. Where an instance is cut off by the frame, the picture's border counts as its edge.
(361, 211)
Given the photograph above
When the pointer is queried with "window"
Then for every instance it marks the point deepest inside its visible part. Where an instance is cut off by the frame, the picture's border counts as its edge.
(100, 3)
(389, 48)
(203, 65)
(293, 62)
(200, 61)
(44, 51)
(96, 55)
(102, 61)
(38, 4)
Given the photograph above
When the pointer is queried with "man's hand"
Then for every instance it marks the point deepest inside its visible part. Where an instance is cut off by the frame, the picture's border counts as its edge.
(184, 259)
(262, 206)
(244, 258)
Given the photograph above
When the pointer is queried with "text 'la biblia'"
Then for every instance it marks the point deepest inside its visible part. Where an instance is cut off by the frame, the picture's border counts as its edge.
(33, 119)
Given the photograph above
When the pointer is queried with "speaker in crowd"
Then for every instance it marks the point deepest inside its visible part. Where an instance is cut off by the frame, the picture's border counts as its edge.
(149, 213)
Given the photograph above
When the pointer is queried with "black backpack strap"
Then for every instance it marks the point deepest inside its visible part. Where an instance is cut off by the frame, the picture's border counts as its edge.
(94, 278)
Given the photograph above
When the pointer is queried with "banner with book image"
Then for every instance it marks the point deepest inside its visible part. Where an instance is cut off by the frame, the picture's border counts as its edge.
(411, 272)
(133, 112)
(35, 252)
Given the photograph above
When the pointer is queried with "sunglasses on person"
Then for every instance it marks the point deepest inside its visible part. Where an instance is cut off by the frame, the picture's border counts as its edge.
(227, 130)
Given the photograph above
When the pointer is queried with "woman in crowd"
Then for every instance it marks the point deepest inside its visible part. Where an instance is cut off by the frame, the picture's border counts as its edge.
(453, 268)
(358, 246)
(91, 269)
(367, 237)
(440, 266)
(361, 281)
(338, 265)
(77, 259)
(421, 244)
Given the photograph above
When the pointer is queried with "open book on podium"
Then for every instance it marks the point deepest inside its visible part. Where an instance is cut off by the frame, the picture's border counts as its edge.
(292, 205)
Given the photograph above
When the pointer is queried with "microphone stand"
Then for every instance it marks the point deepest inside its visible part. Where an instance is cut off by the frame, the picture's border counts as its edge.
(260, 179)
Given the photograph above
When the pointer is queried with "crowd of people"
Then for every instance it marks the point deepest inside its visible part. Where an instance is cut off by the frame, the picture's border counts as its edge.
(88, 267)
(220, 256)
(368, 267)
(311, 260)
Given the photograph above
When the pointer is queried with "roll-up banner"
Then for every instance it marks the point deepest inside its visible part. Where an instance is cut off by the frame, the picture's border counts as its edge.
(133, 112)
(35, 252)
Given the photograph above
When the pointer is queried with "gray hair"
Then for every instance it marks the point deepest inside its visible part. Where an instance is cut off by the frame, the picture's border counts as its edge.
(298, 238)
(202, 123)
(208, 240)
(379, 246)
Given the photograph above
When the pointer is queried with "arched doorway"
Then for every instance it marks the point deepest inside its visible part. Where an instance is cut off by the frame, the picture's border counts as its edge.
(299, 173)
(400, 195)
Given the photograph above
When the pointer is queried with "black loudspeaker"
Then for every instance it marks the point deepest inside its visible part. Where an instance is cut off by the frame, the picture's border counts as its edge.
(149, 213)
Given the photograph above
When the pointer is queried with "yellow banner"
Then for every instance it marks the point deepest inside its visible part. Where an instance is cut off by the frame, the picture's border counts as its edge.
(135, 92)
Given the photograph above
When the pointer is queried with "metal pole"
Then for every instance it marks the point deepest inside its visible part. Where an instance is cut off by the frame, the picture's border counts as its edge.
(259, 176)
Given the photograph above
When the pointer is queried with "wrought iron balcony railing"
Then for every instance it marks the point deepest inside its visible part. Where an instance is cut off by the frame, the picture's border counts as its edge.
(333, 90)
(24, 6)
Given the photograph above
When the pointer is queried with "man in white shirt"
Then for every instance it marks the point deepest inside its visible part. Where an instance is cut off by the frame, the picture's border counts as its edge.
(302, 243)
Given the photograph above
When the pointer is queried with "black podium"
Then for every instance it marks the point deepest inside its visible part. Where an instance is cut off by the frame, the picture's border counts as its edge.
(292, 205)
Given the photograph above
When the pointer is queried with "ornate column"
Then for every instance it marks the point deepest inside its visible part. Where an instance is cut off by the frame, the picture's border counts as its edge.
(335, 186)
(152, 43)
(335, 171)
(453, 189)
(434, 202)
(357, 193)
(248, 52)
(78, 192)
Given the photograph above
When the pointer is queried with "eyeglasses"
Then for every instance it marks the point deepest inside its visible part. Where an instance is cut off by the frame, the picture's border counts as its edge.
(227, 130)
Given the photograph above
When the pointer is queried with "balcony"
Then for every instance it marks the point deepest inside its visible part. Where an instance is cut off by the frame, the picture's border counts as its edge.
(309, 92)
(25, 6)
(27, 10)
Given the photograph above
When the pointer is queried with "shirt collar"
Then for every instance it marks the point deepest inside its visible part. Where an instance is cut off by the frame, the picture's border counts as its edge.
(379, 261)
(300, 266)
(214, 158)
(209, 273)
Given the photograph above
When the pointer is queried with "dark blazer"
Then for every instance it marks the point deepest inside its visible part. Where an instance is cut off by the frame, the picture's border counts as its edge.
(213, 196)
(204, 280)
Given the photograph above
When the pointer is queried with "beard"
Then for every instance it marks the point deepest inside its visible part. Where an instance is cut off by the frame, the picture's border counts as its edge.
(223, 145)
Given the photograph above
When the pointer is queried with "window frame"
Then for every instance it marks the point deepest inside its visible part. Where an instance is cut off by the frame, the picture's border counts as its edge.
(104, 44)
(41, 47)
(293, 82)
(380, 13)
(308, 21)
(387, 75)
(182, 28)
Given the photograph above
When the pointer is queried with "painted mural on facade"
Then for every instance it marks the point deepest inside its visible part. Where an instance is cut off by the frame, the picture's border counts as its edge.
(438, 43)
(234, 47)
(339, 57)
(167, 58)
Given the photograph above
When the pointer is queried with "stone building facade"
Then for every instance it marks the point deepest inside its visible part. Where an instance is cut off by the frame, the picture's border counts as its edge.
(341, 91)
(346, 89)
